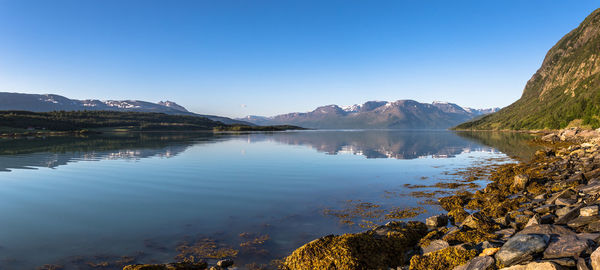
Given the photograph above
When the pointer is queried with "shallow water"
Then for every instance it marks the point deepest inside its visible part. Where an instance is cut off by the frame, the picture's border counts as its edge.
(85, 202)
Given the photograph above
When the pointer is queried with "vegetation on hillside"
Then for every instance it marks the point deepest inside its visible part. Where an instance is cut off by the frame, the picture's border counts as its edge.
(128, 121)
(564, 91)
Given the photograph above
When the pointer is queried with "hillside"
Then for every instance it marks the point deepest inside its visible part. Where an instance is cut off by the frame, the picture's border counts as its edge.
(401, 114)
(50, 102)
(564, 91)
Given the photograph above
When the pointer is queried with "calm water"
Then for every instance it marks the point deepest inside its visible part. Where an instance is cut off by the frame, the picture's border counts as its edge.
(79, 202)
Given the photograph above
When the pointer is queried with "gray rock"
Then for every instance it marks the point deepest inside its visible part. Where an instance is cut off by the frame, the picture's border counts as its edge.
(567, 194)
(435, 245)
(561, 246)
(592, 188)
(545, 208)
(589, 211)
(566, 262)
(521, 248)
(565, 201)
(593, 226)
(595, 237)
(580, 222)
(563, 211)
(440, 220)
(480, 263)
(564, 219)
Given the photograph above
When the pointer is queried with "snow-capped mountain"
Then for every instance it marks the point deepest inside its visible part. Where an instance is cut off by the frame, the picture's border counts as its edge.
(49, 102)
(377, 114)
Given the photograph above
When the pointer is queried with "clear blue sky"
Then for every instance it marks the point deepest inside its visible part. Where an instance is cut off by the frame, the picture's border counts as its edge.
(240, 57)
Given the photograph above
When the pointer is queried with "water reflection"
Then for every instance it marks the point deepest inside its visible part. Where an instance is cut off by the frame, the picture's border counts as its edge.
(52, 152)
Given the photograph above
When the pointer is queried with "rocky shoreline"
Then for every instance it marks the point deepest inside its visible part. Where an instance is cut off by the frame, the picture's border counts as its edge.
(539, 214)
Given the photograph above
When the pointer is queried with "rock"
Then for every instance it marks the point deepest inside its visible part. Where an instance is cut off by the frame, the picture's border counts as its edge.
(535, 220)
(567, 194)
(534, 266)
(520, 248)
(547, 230)
(547, 218)
(171, 266)
(505, 233)
(489, 251)
(479, 221)
(564, 219)
(579, 222)
(582, 265)
(591, 188)
(437, 221)
(545, 208)
(595, 259)
(563, 211)
(565, 262)
(435, 245)
(589, 211)
(520, 181)
(480, 263)
(595, 237)
(225, 263)
(565, 201)
(561, 246)
(551, 138)
(366, 250)
(594, 226)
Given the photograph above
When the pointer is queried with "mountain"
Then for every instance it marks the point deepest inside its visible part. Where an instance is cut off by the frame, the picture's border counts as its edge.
(49, 102)
(376, 115)
(564, 91)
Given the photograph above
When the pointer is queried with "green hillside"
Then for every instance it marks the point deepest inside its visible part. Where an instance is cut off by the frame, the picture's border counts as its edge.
(564, 91)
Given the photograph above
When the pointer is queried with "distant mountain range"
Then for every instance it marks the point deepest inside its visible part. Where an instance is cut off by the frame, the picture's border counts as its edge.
(401, 114)
(49, 102)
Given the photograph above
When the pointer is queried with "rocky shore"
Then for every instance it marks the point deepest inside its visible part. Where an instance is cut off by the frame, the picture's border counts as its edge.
(539, 214)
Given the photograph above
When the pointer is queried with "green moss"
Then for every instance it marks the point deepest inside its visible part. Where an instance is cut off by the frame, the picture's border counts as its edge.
(444, 259)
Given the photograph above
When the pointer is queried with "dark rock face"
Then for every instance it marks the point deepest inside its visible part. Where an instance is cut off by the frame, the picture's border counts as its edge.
(521, 248)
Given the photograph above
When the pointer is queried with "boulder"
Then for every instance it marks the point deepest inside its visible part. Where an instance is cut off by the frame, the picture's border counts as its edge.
(582, 265)
(545, 208)
(562, 246)
(535, 220)
(521, 248)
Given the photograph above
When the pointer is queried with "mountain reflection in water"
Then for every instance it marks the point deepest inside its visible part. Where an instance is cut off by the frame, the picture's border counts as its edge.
(52, 152)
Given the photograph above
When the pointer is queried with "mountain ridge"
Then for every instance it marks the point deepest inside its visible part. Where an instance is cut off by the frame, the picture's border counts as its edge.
(564, 91)
(376, 115)
(50, 102)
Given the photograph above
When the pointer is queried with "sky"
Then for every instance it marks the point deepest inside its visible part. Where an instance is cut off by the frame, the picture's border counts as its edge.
(266, 57)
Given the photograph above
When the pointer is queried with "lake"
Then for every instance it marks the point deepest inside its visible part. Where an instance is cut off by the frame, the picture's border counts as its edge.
(102, 201)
